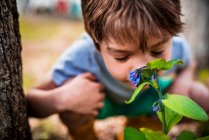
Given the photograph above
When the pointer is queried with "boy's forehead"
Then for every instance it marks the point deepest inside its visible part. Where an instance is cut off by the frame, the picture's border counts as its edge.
(152, 41)
(155, 41)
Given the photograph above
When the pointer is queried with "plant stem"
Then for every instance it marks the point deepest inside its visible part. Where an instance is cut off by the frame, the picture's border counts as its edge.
(161, 105)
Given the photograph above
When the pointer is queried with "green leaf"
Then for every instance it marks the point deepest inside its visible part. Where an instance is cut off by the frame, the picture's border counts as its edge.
(204, 138)
(161, 64)
(154, 84)
(133, 134)
(156, 64)
(172, 118)
(185, 107)
(136, 92)
(146, 74)
(186, 135)
(153, 135)
(171, 63)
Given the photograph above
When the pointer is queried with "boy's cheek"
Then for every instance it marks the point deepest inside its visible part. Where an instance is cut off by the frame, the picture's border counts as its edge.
(160, 73)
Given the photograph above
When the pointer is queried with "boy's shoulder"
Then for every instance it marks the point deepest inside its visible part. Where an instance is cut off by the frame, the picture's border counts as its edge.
(181, 49)
(179, 41)
(83, 45)
(79, 57)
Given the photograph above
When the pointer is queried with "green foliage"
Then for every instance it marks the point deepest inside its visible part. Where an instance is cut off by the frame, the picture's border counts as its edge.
(146, 74)
(172, 118)
(136, 92)
(153, 135)
(204, 138)
(185, 107)
(186, 135)
(143, 134)
(171, 109)
(133, 134)
(161, 64)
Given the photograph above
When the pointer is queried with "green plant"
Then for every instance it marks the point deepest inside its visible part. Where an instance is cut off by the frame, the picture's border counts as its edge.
(170, 108)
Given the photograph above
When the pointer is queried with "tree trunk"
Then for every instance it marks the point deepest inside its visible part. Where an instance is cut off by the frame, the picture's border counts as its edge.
(13, 114)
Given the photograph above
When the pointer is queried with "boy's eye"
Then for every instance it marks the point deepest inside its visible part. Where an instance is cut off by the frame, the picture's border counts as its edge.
(122, 58)
(156, 53)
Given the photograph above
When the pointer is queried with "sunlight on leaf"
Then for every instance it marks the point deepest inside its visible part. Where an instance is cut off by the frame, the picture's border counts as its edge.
(153, 135)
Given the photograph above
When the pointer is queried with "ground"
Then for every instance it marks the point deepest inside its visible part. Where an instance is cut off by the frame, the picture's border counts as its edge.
(44, 38)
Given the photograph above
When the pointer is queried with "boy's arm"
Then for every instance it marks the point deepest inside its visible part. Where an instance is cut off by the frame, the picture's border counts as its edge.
(184, 84)
(183, 80)
(80, 94)
(183, 74)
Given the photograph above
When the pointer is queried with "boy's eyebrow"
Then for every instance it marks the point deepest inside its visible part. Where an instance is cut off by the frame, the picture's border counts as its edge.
(112, 49)
(165, 39)
(117, 50)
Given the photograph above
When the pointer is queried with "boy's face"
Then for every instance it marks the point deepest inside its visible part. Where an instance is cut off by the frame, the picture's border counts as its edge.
(121, 59)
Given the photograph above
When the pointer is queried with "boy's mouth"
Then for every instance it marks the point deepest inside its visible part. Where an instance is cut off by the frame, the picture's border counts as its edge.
(131, 86)
(128, 83)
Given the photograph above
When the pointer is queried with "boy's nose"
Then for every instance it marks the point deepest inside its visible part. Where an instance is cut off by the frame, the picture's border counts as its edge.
(138, 66)
(139, 63)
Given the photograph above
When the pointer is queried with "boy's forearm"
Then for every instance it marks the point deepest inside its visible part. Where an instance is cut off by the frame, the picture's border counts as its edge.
(200, 94)
(42, 103)
(182, 82)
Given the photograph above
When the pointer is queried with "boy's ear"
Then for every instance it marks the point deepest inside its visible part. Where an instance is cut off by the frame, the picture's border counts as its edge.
(97, 46)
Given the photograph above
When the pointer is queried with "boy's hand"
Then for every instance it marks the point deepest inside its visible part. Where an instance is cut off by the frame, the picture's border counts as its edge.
(81, 94)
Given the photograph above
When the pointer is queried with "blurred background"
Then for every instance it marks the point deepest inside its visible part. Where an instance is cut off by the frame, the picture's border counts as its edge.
(49, 26)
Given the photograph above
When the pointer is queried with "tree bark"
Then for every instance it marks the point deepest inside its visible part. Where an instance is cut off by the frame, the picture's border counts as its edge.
(13, 113)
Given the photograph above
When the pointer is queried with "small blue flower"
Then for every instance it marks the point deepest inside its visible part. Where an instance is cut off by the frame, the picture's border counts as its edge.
(155, 108)
(134, 77)
(152, 77)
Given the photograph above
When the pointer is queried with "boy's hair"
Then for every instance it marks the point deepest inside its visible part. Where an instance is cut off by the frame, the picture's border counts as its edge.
(131, 21)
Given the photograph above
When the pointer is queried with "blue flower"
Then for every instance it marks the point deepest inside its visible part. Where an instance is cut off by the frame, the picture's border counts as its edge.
(134, 77)
(155, 108)
(152, 77)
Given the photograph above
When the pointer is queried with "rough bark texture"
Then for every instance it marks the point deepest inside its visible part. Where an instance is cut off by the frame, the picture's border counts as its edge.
(13, 114)
(196, 17)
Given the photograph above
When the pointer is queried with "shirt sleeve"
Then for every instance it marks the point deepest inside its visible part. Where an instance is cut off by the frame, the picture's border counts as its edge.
(75, 60)
(181, 50)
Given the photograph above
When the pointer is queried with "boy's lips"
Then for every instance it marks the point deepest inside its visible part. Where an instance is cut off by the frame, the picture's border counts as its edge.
(128, 83)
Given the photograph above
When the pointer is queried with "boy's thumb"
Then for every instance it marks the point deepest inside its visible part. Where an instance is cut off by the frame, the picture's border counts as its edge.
(90, 76)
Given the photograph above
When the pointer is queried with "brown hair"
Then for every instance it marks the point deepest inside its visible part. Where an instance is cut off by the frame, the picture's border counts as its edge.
(131, 21)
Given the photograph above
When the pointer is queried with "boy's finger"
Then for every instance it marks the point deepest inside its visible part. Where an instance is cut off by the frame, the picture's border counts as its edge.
(100, 87)
(100, 105)
(89, 75)
(95, 113)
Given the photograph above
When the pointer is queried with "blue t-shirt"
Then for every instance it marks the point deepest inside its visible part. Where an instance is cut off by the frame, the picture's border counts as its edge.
(82, 57)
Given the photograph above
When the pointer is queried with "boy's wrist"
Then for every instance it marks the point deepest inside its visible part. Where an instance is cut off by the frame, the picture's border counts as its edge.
(57, 101)
(60, 101)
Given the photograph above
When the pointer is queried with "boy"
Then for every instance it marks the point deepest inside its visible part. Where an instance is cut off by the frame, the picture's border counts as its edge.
(122, 36)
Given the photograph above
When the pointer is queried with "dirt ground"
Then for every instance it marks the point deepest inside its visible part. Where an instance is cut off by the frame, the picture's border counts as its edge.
(44, 38)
